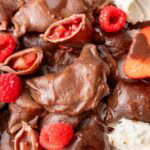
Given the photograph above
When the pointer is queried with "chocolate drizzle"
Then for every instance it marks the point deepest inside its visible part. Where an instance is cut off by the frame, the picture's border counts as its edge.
(140, 48)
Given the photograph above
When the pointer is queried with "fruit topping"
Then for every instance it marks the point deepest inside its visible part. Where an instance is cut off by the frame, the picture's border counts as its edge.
(25, 62)
(112, 19)
(137, 63)
(56, 136)
(64, 30)
(10, 87)
(7, 46)
(75, 29)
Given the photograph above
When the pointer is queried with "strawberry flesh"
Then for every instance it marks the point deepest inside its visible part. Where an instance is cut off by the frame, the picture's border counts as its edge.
(24, 62)
(65, 30)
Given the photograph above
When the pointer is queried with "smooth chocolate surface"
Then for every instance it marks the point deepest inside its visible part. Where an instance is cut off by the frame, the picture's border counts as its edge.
(90, 135)
(79, 87)
(129, 100)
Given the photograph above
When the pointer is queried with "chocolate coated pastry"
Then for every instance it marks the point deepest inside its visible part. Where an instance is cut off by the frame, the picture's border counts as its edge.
(129, 100)
(78, 88)
(107, 57)
(24, 109)
(66, 8)
(26, 139)
(118, 43)
(63, 58)
(75, 30)
(7, 9)
(89, 136)
(59, 117)
(33, 16)
(18, 64)
(30, 40)
(49, 11)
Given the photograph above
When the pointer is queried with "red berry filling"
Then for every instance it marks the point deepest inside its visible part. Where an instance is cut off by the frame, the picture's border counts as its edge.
(112, 19)
(10, 87)
(56, 136)
(7, 46)
(24, 62)
(66, 29)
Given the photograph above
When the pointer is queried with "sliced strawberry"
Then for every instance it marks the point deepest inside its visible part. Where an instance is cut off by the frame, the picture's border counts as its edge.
(25, 62)
(20, 64)
(65, 29)
(137, 63)
(59, 31)
(30, 58)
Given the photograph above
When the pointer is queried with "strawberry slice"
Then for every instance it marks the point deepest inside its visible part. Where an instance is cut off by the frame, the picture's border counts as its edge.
(137, 63)
(25, 62)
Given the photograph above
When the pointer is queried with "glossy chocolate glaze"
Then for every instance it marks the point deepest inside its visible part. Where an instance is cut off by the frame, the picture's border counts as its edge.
(30, 40)
(140, 48)
(129, 100)
(89, 136)
(118, 43)
(77, 88)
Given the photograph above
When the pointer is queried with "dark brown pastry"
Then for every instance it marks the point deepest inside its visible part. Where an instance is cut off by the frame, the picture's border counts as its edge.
(62, 58)
(129, 100)
(26, 139)
(75, 30)
(118, 43)
(30, 40)
(37, 15)
(67, 8)
(24, 109)
(59, 117)
(107, 57)
(7, 9)
(89, 136)
(33, 16)
(78, 88)
(12, 63)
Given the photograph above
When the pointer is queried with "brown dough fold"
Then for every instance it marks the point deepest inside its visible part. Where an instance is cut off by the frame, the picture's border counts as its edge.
(77, 88)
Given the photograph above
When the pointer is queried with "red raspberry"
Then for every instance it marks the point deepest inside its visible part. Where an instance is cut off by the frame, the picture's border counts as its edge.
(112, 19)
(10, 87)
(7, 46)
(56, 136)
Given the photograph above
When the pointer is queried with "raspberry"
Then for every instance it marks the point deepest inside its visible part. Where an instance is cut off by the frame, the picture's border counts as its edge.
(7, 46)
(112, 19)
(10, 87)
(56, 136)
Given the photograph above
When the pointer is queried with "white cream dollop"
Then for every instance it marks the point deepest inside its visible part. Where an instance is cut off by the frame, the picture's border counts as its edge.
(130, 135)
(136, 10)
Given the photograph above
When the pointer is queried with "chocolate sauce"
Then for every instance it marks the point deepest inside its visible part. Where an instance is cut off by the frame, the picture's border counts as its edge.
(140, 48)
(129, 100)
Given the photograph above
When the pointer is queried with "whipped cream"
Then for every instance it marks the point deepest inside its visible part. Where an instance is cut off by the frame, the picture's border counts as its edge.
(136, 10)
(130, 135)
